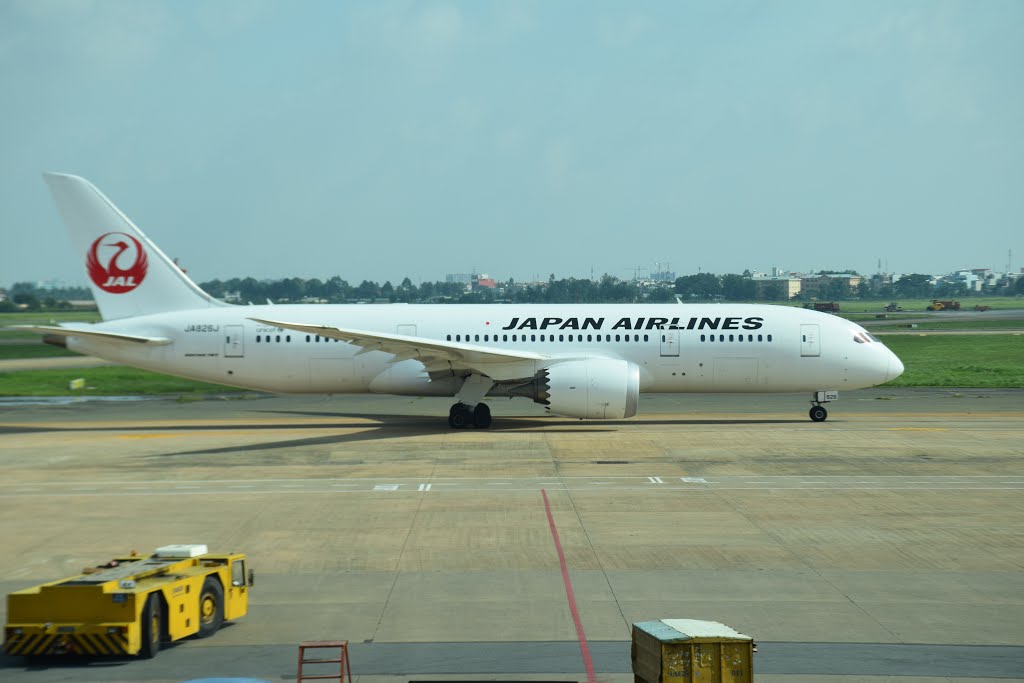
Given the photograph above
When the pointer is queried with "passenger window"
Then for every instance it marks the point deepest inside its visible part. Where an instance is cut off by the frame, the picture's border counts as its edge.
(257, 339)
(458, 337)
(288, 338)
(504, 337)
(731, 338)
(278, 339)
(721, 337)
(449, 337)
(769, 337)
(646, 338)
(307, 338)
(711, 337)
(476, 338)
(533, 337)
(702, 337)
(561, 337)
(759, 338)
(590, 337)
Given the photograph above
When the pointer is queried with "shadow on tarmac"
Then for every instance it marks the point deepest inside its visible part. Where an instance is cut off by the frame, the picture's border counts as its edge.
(361, 427)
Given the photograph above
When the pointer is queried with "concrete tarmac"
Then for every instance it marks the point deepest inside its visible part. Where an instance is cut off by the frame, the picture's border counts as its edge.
(884, 544)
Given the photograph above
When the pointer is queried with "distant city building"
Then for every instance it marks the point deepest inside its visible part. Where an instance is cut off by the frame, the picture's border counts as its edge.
(664, 276)
(763, 284)
(813, 286)
(880, 280)
(461, 278)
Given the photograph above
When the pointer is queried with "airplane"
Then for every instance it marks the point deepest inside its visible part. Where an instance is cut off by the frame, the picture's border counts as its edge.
(587, 361)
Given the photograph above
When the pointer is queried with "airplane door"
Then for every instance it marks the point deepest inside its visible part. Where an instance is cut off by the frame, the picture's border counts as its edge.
(669, 343)
(233, 342)
(809, 340)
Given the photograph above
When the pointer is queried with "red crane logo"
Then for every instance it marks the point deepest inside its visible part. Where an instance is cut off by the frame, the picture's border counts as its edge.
(106, 262)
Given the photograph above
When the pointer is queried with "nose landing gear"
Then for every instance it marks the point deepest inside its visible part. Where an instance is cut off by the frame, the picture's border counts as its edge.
(818, 412)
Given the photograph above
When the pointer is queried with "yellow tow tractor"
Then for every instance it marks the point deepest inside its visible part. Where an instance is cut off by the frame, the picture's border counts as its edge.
(130, 605)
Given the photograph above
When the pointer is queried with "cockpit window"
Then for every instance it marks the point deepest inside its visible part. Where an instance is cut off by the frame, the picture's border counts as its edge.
(862, 337)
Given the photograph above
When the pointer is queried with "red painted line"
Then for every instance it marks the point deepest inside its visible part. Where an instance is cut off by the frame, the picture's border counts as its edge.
(588, 663)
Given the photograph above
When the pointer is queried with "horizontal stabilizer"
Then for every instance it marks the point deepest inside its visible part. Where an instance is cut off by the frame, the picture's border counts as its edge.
(49, 330)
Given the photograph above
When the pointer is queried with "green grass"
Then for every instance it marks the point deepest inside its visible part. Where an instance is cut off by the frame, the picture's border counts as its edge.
(995, 324)
(40, 318)
(983, 361)
(49, 317)
(10, 351)
(853, 306)
(102, 381)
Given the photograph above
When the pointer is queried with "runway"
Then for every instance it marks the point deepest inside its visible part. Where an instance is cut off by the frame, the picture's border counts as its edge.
(887, 541)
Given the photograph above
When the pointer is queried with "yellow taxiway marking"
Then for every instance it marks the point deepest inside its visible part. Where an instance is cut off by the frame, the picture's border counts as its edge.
(918, 429)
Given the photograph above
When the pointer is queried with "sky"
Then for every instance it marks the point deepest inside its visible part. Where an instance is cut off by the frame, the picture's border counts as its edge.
(379, 140)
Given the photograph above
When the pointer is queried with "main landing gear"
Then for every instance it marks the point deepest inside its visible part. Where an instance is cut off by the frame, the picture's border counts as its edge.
(470, 409)
(462, 415)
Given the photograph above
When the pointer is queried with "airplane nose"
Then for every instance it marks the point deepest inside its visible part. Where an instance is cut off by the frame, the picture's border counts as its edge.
(895, 367)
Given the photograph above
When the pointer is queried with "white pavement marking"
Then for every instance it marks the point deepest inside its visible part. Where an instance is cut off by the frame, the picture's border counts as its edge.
(958, 483)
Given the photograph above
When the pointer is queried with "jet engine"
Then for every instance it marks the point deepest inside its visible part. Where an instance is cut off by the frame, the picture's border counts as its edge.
(594, 388)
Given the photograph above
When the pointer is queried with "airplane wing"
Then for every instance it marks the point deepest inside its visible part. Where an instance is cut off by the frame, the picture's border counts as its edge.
(47, 330)
(431, 352)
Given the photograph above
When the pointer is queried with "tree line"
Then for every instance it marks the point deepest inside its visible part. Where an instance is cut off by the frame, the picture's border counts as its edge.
(607, 289)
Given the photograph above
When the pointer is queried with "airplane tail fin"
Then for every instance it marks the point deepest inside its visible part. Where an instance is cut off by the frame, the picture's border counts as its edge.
(128, 274)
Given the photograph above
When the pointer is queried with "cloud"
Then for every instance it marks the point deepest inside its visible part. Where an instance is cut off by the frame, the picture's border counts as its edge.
(620, 31)
(100, 36)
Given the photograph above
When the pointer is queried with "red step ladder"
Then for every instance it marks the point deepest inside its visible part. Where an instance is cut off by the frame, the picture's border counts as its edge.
(344, 670)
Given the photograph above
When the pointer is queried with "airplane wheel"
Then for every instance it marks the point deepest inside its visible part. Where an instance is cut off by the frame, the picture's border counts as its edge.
(482, 415)
(459, 417)
(818, 413)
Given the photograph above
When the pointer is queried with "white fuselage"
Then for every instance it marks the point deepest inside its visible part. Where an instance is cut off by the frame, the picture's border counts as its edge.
(677, 347)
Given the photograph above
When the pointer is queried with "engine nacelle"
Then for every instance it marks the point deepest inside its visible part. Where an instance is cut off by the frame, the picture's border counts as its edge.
(595, 388)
